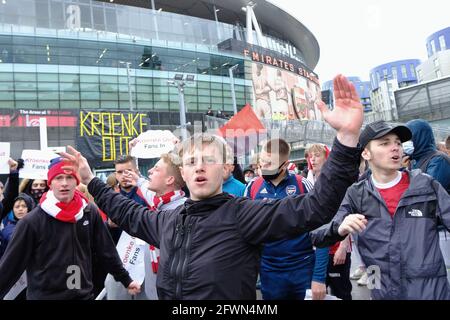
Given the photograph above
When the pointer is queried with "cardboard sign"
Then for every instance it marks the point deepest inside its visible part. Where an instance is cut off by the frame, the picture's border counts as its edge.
(36, 164)
(17, 288)
(131, 252)
(153, 143)
(5, 148)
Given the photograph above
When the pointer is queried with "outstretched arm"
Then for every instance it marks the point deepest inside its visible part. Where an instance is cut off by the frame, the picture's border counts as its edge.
(135, 219)
(273, 220)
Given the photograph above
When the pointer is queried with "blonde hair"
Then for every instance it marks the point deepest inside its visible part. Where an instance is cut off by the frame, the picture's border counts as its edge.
(84, 190)
(173, 164)
(317, 148)
(111, 180)
(199, 139)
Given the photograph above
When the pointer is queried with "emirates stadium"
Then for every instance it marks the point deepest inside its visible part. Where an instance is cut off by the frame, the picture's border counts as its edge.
(60, 58)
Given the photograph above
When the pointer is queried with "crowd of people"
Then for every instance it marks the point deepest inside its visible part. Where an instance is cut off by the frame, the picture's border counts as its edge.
(214, 231)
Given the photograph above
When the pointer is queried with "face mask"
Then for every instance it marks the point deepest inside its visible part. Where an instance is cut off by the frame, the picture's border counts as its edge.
(270, 175)
(408, 148)
(248, 179)
(37, 193)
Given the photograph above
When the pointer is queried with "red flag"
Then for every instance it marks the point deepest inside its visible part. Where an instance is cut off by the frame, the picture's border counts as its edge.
(244, 123)
(243, 131)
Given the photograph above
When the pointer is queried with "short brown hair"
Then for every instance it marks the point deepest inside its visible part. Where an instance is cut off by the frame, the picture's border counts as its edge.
(126, 159)
(447, 143)
(173, 164)
(279, 146)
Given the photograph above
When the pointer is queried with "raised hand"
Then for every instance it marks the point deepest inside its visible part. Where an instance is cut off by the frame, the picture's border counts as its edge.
(348, 113)
(77, 163)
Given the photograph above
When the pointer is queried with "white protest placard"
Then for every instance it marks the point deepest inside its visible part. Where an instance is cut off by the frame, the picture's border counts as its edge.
(5, 148)
(131, 252)
(17, 288)
(36, 164)
(153, 143)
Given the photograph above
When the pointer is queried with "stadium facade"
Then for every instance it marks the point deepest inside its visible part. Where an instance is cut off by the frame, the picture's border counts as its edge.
(58, 57)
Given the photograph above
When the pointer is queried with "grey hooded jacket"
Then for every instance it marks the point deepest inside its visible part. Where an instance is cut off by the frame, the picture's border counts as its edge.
(405, 248)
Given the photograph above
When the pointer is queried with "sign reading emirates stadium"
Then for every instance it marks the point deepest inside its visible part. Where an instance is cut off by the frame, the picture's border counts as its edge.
(269, 57)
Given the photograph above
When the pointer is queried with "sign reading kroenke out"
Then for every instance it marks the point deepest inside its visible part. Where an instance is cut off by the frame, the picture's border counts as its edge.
(153, 143)
(103, 136)
(36, 164)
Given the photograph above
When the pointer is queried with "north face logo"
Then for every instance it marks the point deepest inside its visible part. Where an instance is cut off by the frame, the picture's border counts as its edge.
(415, 213)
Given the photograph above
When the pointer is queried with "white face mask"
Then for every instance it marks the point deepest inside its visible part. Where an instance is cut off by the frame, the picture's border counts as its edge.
(408, 148)
(248, 179)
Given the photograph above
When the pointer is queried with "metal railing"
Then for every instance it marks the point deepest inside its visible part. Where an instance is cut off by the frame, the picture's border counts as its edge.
(307, 132)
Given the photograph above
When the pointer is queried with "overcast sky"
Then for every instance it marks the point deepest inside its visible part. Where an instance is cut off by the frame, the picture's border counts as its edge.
(357, 35)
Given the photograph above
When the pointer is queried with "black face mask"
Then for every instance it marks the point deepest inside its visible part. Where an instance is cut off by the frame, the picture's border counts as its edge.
(270, 175)
(37, 193)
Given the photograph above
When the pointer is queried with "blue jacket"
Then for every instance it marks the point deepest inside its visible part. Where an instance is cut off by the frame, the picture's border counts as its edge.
(136, 195)
(9, 224)
(424, 145)
(233, 187)
(295, 253)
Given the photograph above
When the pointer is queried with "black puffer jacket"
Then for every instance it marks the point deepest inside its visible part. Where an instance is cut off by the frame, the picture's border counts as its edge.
(209, 249)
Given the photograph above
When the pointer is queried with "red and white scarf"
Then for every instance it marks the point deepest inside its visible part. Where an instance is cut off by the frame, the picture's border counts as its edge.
(66, 212)
(158, 202)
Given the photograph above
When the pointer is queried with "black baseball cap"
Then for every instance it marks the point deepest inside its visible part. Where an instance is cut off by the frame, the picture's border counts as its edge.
(378, 129)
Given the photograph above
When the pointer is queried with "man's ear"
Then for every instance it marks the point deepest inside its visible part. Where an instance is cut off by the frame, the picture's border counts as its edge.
(366, 154)
(170, 180)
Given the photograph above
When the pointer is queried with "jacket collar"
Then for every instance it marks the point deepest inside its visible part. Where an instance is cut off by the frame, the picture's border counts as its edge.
(205, 206)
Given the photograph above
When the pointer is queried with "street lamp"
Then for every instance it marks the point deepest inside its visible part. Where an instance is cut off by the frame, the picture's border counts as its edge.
(180, 83)
(233, 93)
(130, 98)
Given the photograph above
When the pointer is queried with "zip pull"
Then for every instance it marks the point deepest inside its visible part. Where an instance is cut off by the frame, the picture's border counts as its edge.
(179, 229)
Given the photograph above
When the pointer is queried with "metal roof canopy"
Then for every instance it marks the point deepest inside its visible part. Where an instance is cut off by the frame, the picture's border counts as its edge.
(274, 20)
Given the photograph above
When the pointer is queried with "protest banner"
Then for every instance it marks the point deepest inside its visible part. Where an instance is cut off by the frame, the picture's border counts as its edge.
(153, 143)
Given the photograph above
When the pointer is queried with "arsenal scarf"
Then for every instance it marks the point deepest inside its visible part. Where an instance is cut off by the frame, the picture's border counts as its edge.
(158, 202)
(66, 212)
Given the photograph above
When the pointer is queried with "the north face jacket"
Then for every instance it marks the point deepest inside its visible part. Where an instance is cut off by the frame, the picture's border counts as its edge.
(405, 248)
(210, 248)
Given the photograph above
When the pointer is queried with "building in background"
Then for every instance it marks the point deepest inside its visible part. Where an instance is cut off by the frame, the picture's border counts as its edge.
(363, 88)
(430, 99)
(58, 57)
(387, 78)
(438, 63)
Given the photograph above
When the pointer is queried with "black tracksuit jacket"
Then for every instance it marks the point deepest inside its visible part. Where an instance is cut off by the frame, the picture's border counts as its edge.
(53, 251)
(210, 248)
